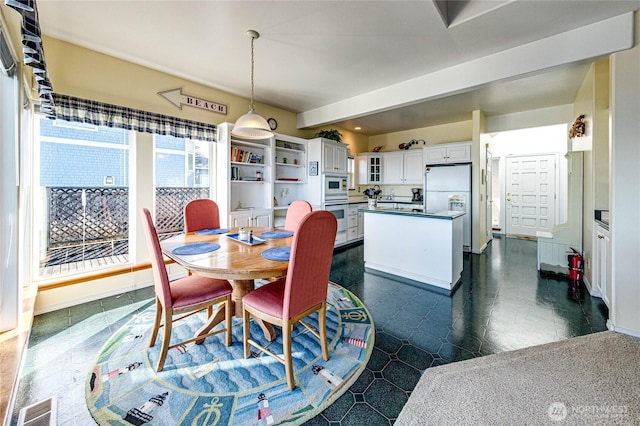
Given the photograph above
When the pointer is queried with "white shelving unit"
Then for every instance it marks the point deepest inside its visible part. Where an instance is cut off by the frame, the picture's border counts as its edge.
(290, 178)
(244, 191)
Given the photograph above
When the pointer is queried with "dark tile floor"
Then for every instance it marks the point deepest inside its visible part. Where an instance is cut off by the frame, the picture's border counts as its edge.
(502, 304)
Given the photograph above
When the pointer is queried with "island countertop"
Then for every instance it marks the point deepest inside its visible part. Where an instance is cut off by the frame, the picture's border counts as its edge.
(446, 214)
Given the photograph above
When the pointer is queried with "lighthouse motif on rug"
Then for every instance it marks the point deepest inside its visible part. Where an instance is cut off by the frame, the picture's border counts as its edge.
(142, 415)
(264, 412)
(327, 376)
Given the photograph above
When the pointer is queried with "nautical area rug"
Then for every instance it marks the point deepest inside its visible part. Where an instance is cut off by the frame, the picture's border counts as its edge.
(212, 384)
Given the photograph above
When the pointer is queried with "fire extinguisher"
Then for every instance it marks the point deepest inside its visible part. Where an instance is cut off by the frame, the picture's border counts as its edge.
(575, 265)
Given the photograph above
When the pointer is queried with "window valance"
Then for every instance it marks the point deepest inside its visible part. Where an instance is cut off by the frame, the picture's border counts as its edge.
(32, 49)
(102, 114)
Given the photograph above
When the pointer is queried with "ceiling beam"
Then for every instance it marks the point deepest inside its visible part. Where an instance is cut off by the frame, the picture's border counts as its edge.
(582, 44)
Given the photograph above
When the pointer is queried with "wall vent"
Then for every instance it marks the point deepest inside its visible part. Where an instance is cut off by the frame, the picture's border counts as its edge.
(43, 413)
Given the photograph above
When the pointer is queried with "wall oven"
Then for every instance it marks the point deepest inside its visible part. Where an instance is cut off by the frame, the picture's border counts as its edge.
(335, 189)
(341, 212)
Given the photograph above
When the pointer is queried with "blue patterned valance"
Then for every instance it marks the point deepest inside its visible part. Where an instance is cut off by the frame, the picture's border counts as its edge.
(102, 114)
(32, 49)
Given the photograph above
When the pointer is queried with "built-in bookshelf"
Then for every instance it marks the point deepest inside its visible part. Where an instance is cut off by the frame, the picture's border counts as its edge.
(248, 161)
(257, 179)
(290, 173)
(244, 184)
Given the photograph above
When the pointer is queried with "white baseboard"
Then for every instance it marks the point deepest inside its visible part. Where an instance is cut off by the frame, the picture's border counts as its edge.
(592, 291)
(103, 294)
(482, 249)
(634, 333)
(91, 298)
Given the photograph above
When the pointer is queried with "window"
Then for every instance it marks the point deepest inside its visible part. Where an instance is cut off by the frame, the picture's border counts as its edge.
(82, 196)
(351, 170)
(181, 175)
(83, 166)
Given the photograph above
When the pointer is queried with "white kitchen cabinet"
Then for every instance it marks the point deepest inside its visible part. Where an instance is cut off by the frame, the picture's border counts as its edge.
(253, 218)
(354, 227)
(459, 152)
(402, 168)
(601, 262)
(369, 168)
(332, 155)
(393, 166)
(361, 221)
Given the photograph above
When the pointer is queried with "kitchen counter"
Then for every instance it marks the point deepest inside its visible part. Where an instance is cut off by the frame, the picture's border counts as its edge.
(404, 201)
(403, 211)
(423, 248)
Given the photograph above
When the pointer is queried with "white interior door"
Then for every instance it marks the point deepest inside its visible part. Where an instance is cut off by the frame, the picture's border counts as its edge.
(530, 194)
(496, 195)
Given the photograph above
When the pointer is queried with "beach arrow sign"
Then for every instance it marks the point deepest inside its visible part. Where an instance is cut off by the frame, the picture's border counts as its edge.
(176, 97)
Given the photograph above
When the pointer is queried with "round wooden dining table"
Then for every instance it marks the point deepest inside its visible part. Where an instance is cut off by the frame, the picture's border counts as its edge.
(236, 261)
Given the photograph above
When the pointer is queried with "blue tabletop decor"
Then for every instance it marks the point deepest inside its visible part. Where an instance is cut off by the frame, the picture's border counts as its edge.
(277, 253)
(276, 234)
(197, 248)
(212, 231)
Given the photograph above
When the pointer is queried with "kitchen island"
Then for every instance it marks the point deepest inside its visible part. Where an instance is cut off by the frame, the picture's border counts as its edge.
(421, 247)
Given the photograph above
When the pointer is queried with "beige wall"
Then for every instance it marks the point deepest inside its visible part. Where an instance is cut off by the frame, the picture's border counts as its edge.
(601, 140)
(584, 105)
(84, 73)
(433, 135)
(478, 168)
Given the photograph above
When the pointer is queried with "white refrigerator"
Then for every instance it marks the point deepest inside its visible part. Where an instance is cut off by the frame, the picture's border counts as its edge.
(448, 187)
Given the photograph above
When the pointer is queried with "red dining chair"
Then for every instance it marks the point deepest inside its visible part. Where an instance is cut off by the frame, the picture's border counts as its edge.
(185, 296)
(301, 292)
(296, 211)
(202, 213)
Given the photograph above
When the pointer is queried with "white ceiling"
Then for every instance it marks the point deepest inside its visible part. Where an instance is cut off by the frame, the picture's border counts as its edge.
(313, 54)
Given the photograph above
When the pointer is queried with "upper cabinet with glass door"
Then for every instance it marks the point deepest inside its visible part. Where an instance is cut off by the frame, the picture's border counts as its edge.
(369, 167)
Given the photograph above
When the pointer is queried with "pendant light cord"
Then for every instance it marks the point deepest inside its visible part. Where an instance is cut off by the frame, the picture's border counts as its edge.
(251, 105)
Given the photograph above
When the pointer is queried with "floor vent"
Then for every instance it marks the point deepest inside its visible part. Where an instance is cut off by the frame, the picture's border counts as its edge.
(43, 413)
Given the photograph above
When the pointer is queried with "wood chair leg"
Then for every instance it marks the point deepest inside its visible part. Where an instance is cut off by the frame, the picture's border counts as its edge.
(156, 323)
(228, 315)
(245, 333)
(322, 314)
(166, 338)
(288, 362)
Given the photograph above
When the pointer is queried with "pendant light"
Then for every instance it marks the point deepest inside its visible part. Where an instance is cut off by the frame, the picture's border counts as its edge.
(251, 125)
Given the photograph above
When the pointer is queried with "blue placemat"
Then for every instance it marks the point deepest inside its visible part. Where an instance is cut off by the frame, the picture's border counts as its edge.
(197, 248)
(277, 253)
(276, 234)
(212, 231)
